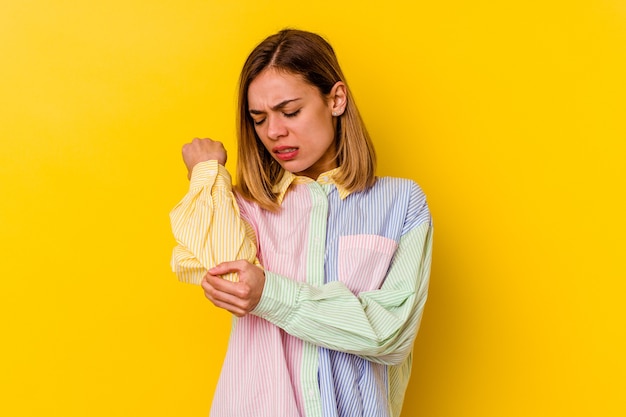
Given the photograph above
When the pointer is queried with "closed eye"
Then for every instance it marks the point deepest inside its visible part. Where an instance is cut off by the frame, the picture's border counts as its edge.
(294, 114)
(288, 115)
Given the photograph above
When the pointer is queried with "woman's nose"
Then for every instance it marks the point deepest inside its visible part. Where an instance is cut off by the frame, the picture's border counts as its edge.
(275, 127)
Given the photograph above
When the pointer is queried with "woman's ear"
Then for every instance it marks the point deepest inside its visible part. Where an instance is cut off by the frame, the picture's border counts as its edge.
(338, 98)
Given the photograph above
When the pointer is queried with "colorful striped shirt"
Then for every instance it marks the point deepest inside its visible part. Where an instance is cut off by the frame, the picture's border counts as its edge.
(346, 282)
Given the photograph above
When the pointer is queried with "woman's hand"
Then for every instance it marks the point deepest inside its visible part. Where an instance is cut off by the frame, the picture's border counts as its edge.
(200, 150)
(240, 298)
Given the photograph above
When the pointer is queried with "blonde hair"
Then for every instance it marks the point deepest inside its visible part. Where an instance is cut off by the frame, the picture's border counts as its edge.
(307, 55)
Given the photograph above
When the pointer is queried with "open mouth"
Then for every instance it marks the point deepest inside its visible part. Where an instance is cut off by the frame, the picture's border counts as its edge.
(285, 153)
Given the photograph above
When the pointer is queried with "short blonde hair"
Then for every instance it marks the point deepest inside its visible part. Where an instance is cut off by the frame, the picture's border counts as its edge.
(307, 55)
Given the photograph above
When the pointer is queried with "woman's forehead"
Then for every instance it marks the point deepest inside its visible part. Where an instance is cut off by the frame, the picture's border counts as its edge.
(272, 87)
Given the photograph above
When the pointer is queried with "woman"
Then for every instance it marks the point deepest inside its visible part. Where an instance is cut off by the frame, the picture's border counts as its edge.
(326, 265)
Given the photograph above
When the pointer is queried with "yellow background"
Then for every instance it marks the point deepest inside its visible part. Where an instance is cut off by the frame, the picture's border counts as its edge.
(510, 114)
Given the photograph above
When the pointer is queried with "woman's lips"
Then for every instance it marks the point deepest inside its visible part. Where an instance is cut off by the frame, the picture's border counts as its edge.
(285, 153)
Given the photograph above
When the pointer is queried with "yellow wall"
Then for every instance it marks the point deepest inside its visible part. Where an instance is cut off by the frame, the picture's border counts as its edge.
(510, 114)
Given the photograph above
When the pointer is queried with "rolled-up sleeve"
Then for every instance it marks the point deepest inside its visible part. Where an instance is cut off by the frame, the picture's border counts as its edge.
(208, 227)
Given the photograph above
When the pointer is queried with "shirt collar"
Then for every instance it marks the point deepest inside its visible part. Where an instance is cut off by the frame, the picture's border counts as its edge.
(288, 178)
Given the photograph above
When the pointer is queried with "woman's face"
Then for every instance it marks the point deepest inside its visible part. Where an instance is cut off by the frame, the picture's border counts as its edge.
(295, 122)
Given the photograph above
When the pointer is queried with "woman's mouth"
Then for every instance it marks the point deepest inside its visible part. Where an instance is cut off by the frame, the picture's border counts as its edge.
(285, 153)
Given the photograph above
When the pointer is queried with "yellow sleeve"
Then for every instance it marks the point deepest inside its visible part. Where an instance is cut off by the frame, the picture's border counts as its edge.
(207, 226)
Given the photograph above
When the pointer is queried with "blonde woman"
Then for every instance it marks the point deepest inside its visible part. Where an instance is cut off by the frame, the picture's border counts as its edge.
(324, 266)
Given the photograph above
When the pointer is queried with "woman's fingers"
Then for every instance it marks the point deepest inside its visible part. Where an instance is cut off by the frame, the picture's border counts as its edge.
(241, 297)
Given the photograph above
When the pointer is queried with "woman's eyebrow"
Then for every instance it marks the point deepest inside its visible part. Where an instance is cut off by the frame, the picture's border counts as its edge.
(276, 107)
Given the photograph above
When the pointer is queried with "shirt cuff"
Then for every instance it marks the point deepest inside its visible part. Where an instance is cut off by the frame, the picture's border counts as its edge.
(205, 173)
(279, 299)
